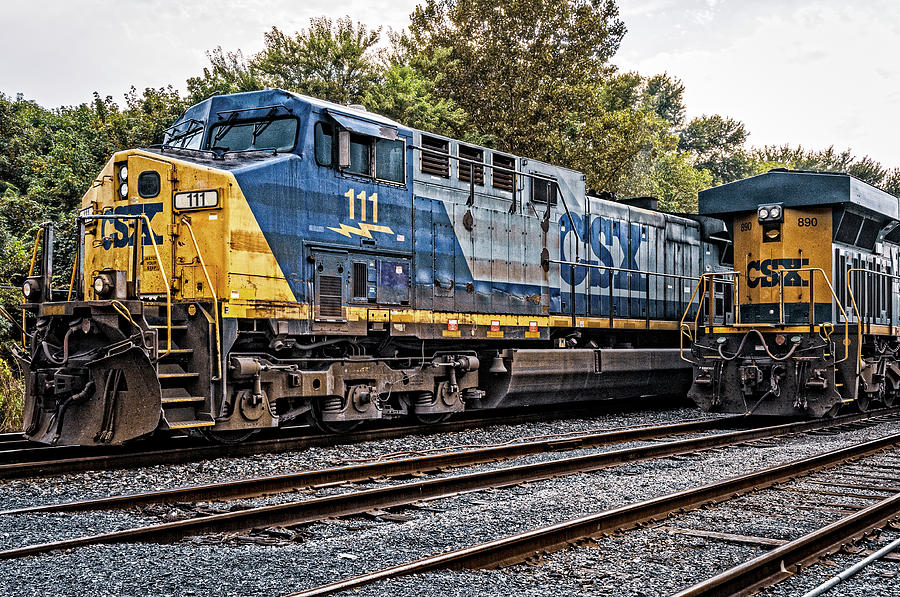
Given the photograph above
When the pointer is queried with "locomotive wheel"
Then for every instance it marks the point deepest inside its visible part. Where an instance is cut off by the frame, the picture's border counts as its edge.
(337, 427)
(229, 437)
(431, 419)
(863, 401)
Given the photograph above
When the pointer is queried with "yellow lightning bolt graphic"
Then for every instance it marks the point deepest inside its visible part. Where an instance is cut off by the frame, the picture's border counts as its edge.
(363, 230)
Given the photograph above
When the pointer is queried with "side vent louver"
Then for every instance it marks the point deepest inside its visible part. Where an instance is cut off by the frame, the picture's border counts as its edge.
(330, 297)
(434, 157)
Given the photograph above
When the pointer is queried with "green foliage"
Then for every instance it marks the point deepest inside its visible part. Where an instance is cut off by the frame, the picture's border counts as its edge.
(335, 61)
(228, 72)
(866, 169)
(407, 96)
(717, 145)
(522, 70)
(12, 398)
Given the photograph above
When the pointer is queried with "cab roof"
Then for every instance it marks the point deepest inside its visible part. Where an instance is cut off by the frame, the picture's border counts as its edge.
(797, 188)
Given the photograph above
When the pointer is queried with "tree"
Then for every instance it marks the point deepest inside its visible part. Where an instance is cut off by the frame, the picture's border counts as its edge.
(228, 72)
(666, 96)
(522, 70)
(335, 61)
(407, 96)
(891, 182)
(827, 160)
(717, 145)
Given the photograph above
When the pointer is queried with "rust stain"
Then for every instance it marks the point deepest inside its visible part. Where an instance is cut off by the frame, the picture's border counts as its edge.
(252, 242)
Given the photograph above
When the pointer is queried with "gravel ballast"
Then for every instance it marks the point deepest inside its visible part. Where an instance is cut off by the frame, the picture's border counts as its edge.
(645, 562)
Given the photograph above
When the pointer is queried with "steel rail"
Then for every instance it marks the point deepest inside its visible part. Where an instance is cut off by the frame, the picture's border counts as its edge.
(39, 461)
(517, 548)
(362, 472)
(356, 502)
(782, 562)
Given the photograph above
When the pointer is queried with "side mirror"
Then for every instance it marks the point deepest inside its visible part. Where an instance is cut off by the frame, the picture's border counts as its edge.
(343, 149)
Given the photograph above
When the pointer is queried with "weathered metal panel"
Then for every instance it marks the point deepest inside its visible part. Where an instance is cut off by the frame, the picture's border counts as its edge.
(465, 262)
(444, 259)
(499, 261)
(423, 275)
(481, 272)
(516, 273)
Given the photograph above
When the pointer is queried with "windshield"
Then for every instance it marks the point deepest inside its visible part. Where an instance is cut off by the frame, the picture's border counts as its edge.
(276, 135)
(185, 135)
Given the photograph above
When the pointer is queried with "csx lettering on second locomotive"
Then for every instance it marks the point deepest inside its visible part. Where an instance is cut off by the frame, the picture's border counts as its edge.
(770, 274)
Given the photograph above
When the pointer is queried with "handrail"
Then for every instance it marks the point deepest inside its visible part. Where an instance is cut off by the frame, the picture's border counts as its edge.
(138, 245)
(856, 309)
(37, 241)
(72, 277)
(837, 302)
(812, 270)
(701, 282)
(574, 264)
(212, 290)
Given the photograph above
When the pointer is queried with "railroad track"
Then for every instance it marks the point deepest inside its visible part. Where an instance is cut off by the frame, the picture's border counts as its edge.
(355, 502)
(522, 546)
(35, 460)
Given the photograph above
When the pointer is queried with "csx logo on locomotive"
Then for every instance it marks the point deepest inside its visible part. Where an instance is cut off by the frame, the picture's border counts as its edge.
(605, 236)
(123, 237)
(770, 276)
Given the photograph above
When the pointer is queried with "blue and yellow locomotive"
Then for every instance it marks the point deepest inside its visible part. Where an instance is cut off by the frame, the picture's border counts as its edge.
(812, 320)
(280, 257)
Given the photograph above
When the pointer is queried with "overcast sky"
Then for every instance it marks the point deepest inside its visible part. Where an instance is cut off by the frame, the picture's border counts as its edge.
(810, 72)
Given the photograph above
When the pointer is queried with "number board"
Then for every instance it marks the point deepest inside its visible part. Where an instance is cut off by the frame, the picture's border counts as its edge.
(196, 200)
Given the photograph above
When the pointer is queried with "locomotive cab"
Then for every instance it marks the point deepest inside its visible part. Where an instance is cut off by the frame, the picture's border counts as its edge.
(813, 297)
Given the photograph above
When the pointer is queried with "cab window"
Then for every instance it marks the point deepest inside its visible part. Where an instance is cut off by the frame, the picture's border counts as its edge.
(360, 155)
(389, 161)
(324, 144)
(276, 135)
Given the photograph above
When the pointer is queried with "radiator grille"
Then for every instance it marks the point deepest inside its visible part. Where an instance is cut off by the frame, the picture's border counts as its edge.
(360, 280)
(475, 155)
(330, 298)
(501, 178)
(434, 160)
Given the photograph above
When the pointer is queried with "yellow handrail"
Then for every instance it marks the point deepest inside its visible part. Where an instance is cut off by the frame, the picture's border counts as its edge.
(682, 325)
(856, 309)
(837, 302)
(72, 277)
(212, 290)
(139, 242)
(37, 241)
(812, 270)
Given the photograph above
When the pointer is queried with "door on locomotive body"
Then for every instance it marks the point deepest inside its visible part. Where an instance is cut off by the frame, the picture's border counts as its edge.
(151, 195)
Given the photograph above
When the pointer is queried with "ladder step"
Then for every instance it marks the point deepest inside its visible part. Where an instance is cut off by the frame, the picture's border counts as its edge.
(174, 371)
(175, 328)
(191, 424)
(175, 352)
(180, 400)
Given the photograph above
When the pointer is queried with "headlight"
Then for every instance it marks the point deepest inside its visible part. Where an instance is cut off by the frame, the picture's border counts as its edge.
(31, 289)
(123, 190)
(763, 214)
(123, 173)
(102, 285)
(775, 212)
